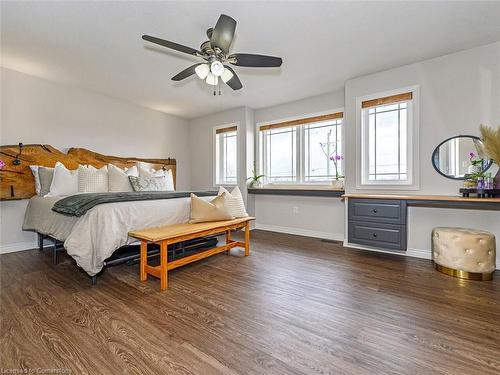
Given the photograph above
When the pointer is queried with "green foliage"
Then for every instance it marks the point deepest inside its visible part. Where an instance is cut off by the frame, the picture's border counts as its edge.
(255, 177)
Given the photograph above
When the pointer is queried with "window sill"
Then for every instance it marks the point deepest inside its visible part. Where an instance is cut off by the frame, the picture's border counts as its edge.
(307, 191)
(224, 185)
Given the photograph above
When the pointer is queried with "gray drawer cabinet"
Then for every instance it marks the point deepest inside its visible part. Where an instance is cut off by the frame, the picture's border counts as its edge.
(380, 211)
(378, 223)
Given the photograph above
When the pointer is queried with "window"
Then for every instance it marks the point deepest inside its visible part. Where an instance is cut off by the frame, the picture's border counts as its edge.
(226, 155)
(280, 162)
(387, 130)
(321, 141)
(299, 151)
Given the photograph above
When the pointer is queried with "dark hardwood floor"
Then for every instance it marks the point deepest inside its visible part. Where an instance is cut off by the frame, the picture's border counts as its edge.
(296, 306)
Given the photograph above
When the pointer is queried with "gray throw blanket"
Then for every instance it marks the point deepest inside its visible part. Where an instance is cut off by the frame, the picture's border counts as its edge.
(79, 204)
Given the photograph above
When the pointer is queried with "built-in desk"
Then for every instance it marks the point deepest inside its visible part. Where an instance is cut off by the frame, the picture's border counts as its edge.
(448, 201)
(380, 220)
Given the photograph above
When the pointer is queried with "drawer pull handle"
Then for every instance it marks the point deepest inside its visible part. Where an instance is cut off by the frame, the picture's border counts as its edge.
(375, 235)
(374, 210)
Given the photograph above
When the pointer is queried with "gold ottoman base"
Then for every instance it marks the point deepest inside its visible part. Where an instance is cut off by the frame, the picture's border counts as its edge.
(464, 274)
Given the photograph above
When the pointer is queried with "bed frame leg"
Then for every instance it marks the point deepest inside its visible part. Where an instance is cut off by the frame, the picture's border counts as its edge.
(94, 280)
(40, 241)
(54, 253)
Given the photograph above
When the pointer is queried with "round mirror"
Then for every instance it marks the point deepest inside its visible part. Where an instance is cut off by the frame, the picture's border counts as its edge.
(458, 156)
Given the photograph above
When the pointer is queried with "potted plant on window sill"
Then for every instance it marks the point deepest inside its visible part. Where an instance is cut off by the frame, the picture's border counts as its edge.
(256, 180)
(338, 182)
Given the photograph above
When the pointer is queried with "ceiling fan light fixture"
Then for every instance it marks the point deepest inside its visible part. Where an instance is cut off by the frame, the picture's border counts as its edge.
(216, 68)
(202, 71)
(226, 75)
(212, 79)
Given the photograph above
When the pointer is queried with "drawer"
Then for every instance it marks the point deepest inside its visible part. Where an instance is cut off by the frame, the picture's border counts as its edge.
(381, 211)
(388, 236)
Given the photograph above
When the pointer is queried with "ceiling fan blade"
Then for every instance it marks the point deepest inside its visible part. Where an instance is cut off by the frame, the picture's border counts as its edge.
(223, 33)
(234, 82)
(172, 45)
(185, 73)
(256, 61)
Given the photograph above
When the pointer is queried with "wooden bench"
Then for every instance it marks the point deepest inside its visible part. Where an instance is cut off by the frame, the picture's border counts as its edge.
(172, 234)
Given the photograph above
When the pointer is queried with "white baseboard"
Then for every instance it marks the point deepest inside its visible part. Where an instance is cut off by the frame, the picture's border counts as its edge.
(414, 253)
(419, 253)
(18, 246)
(22, 246)
(301, 232)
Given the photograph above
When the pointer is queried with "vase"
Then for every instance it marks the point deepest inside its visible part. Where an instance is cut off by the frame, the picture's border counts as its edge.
(338, 184)
(473, 169)
(257, 184)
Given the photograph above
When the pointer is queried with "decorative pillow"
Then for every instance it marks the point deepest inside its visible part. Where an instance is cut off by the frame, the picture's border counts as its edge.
(92, 180)
(234, 202)
(168, 176)
(148, 183)
(65, 182)
(215, 210)
(145, 169)
(45, 176)
(34, 170)
(118, 178)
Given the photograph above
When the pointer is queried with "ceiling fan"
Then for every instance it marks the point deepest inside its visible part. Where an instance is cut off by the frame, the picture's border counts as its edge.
(215, 52)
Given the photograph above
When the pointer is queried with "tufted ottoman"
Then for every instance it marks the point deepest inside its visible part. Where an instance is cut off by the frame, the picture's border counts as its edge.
(465, 253)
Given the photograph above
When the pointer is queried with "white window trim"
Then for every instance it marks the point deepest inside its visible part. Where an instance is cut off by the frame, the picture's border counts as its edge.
(413, 148)
(300, 155)
(214, 154)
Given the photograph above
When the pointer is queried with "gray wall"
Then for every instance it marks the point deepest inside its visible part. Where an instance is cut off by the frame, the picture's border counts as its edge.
(35, 110)
(324, 216)
(457, 93)
(308, 216)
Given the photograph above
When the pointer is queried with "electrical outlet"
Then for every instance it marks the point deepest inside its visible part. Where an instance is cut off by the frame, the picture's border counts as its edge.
(295, 210)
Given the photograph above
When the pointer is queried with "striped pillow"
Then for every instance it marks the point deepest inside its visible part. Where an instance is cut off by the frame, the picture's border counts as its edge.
(234, 202)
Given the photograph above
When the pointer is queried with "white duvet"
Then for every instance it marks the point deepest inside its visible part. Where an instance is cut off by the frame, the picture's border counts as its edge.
(93, 237)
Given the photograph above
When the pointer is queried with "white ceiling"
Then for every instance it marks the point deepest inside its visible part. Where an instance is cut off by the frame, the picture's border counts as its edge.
(98, 45)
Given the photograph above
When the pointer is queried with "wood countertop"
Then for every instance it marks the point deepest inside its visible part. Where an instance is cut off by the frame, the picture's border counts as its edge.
(436, 198)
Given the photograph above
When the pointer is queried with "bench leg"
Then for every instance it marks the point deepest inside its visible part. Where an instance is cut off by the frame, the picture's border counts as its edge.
(163, 265)
(247, 239)
(144, 260)
(228, 239)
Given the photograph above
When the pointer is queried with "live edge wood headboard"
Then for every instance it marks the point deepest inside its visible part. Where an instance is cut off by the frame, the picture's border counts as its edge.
(16, 181)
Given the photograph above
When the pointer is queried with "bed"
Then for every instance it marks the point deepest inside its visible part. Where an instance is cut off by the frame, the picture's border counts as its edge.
(92, 238)
(89, 238)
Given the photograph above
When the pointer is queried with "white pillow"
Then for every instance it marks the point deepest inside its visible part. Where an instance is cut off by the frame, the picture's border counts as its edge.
(234, 202)
(65, 182)
(145, 169)
(118, 178)
(92, 180)
(38, 186)
(169, 178)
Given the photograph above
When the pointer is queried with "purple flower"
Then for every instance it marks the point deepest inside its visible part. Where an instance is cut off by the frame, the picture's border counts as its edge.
(2, 164)
(472, 155)
(336, 157)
